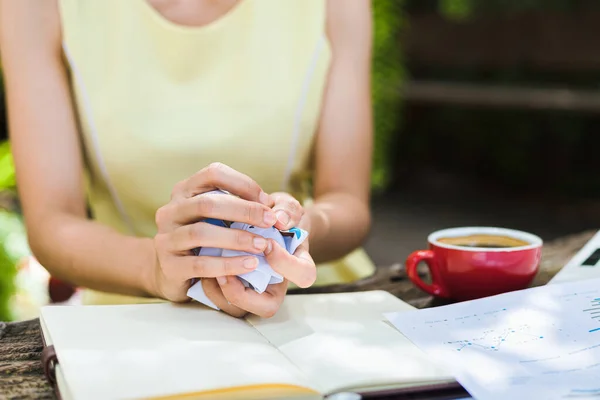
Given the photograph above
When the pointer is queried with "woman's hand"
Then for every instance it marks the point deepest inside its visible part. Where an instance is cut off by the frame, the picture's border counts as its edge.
(231, 296)
(180, 230)
(287, 209)
(299, 268)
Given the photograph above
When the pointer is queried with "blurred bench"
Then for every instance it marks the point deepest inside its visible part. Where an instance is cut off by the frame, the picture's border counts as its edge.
(549, 42)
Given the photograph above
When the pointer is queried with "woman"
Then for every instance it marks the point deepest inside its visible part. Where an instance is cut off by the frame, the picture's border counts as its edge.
(137, 108)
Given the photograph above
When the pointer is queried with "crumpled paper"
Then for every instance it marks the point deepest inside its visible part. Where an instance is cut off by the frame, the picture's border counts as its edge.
(259, 278)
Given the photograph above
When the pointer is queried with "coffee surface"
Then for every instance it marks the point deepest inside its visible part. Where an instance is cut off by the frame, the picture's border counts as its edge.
(487, 241)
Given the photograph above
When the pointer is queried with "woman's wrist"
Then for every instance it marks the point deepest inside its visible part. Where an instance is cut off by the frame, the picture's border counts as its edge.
(338, 224)
(149, 266)
(316, 222)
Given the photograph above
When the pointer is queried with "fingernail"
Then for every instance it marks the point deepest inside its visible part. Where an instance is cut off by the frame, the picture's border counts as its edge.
(222, 280)
(269, 218)
(283, 217)
(259, 243)
(263, 198)
(251, 263)
(269, 247)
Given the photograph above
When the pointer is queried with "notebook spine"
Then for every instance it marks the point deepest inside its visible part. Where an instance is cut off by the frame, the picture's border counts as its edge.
(49, 361)
(437, 391)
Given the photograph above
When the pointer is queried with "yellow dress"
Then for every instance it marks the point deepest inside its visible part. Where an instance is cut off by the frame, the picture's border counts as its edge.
(158, 101)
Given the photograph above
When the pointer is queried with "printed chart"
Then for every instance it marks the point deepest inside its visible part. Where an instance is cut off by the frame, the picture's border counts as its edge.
(492, 340)
(538, 343)
(594, 312)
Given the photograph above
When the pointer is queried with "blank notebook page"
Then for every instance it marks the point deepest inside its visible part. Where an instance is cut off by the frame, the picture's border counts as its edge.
(343, 341)
(147, 350)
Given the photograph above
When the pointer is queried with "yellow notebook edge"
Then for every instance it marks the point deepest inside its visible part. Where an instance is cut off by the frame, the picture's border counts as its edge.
(266, 391)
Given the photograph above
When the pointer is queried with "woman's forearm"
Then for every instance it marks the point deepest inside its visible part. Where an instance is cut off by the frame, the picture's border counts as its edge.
(88, 254)
(339, 223)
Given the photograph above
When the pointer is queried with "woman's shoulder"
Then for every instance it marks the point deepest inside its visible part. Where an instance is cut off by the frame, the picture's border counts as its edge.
(30, 26)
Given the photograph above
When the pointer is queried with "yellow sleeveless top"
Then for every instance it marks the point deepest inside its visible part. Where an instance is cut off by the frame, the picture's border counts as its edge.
(158, 101)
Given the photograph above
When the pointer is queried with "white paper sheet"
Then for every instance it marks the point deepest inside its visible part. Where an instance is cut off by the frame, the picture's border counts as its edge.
(540, 343)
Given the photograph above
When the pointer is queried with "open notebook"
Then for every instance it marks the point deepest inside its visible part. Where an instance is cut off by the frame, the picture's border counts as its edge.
(316, 345)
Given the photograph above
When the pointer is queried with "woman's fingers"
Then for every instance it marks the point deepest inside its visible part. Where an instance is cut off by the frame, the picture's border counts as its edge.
(220, 176)
(228, 208)
(202, 234)
(264, 305)
(298, 268)
(190, 267)
(215, 294)
(287, 209)
(180, 228)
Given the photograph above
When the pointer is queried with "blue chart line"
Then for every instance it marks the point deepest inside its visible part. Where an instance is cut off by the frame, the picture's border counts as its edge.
(491, 341)
(594, 312)
(579, 392)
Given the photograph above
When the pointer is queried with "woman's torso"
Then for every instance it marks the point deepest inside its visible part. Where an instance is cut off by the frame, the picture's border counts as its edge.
(158, 101)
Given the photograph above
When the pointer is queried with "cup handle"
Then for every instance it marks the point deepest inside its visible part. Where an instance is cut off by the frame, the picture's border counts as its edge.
(428, 257)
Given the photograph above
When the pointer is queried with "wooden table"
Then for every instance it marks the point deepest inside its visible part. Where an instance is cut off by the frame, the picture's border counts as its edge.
(21, 374)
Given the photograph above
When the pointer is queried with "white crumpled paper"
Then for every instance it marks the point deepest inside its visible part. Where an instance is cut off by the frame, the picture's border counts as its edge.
(259, 278)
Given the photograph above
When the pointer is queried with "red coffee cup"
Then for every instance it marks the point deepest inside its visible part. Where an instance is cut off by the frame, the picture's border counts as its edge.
(474, 262)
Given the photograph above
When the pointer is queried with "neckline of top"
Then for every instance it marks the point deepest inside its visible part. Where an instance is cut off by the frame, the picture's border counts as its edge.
(167, 23)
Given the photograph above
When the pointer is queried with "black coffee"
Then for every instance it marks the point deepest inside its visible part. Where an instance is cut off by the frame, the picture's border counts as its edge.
(484, 241)
(487, 245)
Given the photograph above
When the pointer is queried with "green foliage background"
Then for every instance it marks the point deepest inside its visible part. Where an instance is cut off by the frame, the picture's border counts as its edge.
(387, 77)
(13, 248)
(13, 240)
(460, 9)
